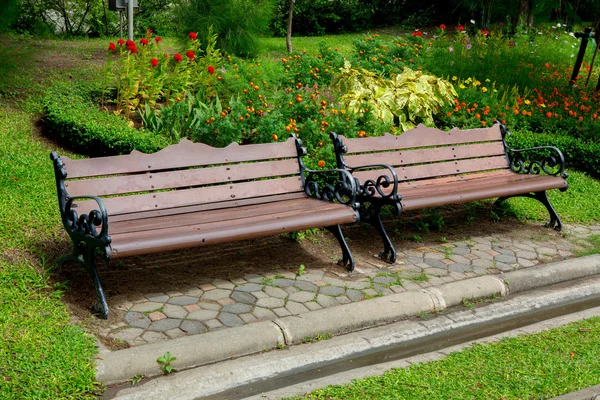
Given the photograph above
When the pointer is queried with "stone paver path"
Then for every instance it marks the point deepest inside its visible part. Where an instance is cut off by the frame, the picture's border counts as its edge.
(221, 303)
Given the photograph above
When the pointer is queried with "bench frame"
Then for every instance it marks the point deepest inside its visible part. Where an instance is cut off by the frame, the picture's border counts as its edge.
(372, 196)
(89, 241)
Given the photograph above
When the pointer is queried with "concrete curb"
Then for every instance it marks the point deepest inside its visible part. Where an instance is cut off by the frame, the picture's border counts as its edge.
(211, 347)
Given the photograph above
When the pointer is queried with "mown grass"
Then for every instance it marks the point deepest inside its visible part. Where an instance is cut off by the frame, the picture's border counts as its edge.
(536, 366)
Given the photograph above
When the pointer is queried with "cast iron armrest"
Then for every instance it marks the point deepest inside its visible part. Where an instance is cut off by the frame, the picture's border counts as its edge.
(371, 186)
(86, 224)
(344, 191)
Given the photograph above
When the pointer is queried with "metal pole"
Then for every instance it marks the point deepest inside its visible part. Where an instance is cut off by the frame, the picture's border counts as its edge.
(120, 24)
(130, 19)
(584, 41)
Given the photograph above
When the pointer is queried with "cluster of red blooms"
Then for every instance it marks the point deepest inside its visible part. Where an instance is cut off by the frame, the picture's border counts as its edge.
(417, 33)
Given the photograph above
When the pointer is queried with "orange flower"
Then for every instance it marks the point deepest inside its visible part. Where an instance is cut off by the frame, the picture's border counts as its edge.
(274, 136)
(321, 164)
(549, 114)
(449, 113)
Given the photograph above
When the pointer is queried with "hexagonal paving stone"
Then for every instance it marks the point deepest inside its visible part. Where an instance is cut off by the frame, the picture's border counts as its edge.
(164, 325)
(248, 287)
(301, 297)
(459, 267)
(296, 308)
(359, 284)
(128, 334)
(331, 291)
(210, 306)
(327, 301)
(309, 277)
(248, 318)
(380, 289)
(213, 324)
(283, 282)
(254, 278)
(343, 300)
(223, 284)
(354, 295)
(385, 280)
(192, 327)
(202, 315)
(157, 297)
(434, 263)
(153, 337)
(281, 312)
(229, 319)
(173, 311)
(270, 302)
(137, 320)
(216, 294)
(263, 313)
(243, 297)
(238, 308)
(306, 286)
(146, 306)
(175, 333)
(313, 305)
(505, 259)
(276, 292)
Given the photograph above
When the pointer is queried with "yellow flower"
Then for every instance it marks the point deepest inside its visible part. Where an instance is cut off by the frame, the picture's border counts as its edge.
(484, 89)
(476, 83)
(487, 80)
(468, 80)
(454, 78)
(527, 102)
(462, 86)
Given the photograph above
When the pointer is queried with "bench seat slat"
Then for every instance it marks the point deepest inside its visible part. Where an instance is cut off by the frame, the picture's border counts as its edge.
(477, 189)
(159, 240)
(185, 154)
(205, 207)
(439, 169)
(421, 136)
(182, 178)
(203, 195)
(407, 157)
(201, 217)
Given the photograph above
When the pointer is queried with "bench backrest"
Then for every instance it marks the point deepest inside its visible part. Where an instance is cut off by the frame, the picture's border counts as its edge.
(186, 174)
(423, 152)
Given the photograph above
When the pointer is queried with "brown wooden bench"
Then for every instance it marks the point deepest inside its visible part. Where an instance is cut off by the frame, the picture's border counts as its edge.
(426, 167)
(191, 194)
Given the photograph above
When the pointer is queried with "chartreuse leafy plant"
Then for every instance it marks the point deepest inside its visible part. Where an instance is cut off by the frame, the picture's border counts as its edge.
(407, 99)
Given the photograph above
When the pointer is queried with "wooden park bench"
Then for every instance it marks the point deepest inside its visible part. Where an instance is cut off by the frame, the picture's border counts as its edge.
(426, 167)
(191, 194)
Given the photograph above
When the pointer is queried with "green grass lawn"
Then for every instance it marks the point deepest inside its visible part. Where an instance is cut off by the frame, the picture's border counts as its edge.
(536, 366)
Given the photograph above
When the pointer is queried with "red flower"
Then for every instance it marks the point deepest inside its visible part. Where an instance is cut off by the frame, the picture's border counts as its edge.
(130, 43)
(112, 46)
(158, 39)
(549, 114)
(442, 27)
(154, 62)
(485, 32)
(417, 33)
(190, 54)
(211, 69)
(144, 41)
(121, 42)
(461, 28)
(178, 57)
(132, 49)
(192, 35)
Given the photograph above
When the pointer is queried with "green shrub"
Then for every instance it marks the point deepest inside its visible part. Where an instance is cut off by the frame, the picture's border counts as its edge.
(237, 23)
(72, 117)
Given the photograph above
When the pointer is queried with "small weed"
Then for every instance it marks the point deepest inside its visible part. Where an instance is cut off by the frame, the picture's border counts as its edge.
(443, 239)
(470, 220)
(592, 246)
(165, 363)
(280, 346)
(301, 270)
(137, 378)
(447, 252)
(62, 286)
(473, 301)
(417, 239)
(419, 278)
(267, 281)
(320, 336)
(279, 276)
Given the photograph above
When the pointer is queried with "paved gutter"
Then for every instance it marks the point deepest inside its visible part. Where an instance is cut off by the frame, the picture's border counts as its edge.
(225, 344)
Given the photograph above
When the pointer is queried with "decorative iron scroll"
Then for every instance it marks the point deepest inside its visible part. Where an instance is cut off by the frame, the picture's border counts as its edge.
(344, 190)
(81, 228)
(553, 164)
(375, 187)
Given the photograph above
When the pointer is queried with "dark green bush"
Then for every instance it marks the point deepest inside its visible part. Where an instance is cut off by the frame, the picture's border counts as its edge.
(75, 120)
(579, 154)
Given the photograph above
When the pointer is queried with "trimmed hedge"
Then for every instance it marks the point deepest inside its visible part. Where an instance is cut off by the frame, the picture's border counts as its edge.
(579, 154)
(76, 120)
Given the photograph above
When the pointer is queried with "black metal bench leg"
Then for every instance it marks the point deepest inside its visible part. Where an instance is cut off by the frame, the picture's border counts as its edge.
(347, 260)
(372, 214)
(542, 197)
(87, 259)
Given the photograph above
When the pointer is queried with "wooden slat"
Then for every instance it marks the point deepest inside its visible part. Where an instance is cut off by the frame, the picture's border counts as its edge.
(456, 179)
(206, 207)
(172, 239)
(203, 195)
(407, 157)
(422, 136)
(439, 169)
(150, 224)
(182, 178)
(443, 195)
(182, 155)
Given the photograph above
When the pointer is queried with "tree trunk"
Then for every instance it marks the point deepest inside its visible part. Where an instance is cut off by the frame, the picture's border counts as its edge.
(288, 36)
(525, 12)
